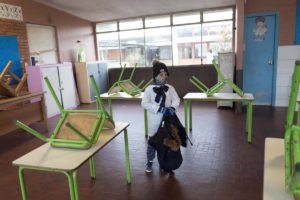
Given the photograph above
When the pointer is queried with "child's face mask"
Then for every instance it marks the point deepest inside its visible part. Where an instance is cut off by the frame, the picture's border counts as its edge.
(161, 78)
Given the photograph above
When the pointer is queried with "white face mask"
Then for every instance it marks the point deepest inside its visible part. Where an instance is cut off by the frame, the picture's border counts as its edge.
(161, 78)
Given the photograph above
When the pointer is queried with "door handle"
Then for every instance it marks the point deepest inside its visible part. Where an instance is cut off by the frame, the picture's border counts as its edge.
(270, 62)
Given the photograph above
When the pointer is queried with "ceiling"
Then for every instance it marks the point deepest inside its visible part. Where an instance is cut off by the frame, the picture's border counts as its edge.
(103, 10)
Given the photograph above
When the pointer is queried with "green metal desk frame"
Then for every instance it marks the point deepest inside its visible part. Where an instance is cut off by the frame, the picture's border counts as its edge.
(247, 98)
(72, 174)
(124, 96)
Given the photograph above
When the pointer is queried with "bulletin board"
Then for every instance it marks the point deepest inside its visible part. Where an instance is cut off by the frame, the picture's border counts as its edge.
(10, 51)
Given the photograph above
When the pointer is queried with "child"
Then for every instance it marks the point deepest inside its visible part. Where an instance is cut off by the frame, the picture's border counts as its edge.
(159, 99)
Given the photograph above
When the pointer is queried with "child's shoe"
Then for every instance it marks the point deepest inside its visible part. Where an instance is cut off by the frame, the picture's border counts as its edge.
(149, 166)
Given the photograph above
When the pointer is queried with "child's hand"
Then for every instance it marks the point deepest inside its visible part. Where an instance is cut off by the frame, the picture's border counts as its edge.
(169, 111)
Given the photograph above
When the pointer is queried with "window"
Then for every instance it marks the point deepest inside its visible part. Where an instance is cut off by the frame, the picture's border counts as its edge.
(108, 48)
(158, 45)
(106, 27)
(217, 38)
(185, 39)
(186, 18)
(157, 21)
(175, 39)
(132, 48)
(131, 24)
(216, 15)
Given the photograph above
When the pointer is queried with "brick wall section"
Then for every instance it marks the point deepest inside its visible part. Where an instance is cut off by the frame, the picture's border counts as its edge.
(16, 28)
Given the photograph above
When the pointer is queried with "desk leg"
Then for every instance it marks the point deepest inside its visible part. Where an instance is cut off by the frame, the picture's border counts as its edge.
(185, 102)
(72, 180)
(146, 122)
(298, 117)
(128, 173)
(92, 167)
(22, 183)
(249, 121)
(190, 113)
(110, 108)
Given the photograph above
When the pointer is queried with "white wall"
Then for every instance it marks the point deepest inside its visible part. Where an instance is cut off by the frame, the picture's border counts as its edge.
(287, 55)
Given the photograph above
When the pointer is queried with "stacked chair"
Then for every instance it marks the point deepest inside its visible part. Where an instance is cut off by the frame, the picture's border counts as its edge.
(292, 139)
(217, 87)
(78, 129)
(127, 85)
(7, 88)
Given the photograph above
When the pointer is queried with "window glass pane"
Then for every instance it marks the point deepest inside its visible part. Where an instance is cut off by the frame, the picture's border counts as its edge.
(131, 24)
(186, 41)
(132, 48)
(186, 18)
(106, 26)
(158, 45)
(217, 15)
(216, 37)
(108, 48)
(157, 21)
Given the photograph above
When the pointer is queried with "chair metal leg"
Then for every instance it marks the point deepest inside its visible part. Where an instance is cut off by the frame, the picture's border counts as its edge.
(110, 108)
(92, 167)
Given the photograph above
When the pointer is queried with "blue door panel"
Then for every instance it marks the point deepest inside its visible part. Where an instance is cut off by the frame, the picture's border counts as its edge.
(259, 58)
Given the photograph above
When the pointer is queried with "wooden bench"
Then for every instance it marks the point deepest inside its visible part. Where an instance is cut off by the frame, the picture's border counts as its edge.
(28, 108)
(68, 161)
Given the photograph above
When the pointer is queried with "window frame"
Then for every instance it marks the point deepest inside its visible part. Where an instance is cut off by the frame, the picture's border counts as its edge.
(143, 18)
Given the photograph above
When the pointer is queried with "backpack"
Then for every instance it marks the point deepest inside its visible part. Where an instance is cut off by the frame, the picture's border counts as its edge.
(167, 141)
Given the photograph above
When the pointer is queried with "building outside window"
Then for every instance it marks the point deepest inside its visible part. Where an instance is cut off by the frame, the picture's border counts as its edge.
(175, 39)
(158, 45)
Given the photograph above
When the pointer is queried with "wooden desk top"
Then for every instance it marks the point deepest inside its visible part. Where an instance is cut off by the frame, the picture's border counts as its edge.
(218, 97)
(52, 158)
(274, 173)
(121, 96)
(6, 101)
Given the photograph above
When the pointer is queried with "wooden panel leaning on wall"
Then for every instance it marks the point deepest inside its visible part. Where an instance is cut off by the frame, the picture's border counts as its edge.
(28, 108)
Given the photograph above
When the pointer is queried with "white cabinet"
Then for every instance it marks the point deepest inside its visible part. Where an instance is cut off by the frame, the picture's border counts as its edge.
(83, 71)
(287, 55)
(62, 80)
(226, 63)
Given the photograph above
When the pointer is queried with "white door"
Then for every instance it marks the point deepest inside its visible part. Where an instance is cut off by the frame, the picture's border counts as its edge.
(68, 89)
(51, 106)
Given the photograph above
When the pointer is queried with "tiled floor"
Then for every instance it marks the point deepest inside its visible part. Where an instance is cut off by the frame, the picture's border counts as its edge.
(219, 166)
